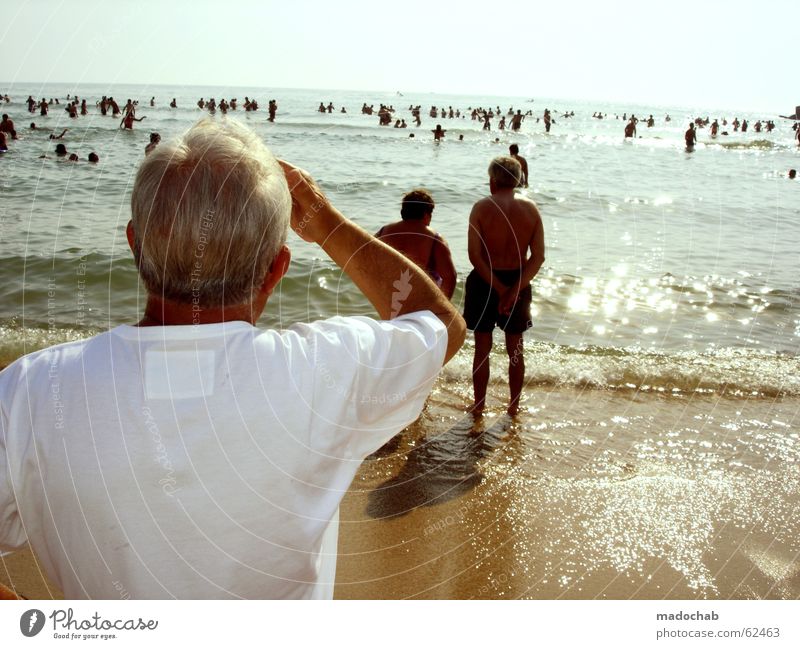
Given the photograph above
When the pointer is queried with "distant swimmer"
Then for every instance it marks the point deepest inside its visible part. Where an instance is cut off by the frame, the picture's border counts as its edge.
(514, 151)
(173, 103)
(438, 132)
(413, 237)
(691, 137)
(506, 249)
(43, 107)
(152, 101)
(714, 128)
(630, 128)
(651, 122)
(547, 120)
(155, 138)
(7, 126)
(58, 137)
(792, 174)
(129, 119)
(516, 120)
(93, 157)
(272, 109)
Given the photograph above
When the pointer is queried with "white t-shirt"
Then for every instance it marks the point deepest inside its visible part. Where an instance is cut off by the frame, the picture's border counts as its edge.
(202, 461)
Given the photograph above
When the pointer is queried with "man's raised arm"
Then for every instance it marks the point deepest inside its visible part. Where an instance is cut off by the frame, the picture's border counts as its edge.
(392, 283)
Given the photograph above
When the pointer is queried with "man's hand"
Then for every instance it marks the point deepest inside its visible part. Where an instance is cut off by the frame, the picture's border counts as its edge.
(310, 206)
(508, 298)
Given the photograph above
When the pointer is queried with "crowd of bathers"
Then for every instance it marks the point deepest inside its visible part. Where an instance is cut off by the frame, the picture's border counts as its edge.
(510, 119)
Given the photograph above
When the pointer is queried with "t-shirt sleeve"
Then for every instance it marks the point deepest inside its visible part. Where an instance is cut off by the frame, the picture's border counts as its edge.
(372, 378)
(12, 534)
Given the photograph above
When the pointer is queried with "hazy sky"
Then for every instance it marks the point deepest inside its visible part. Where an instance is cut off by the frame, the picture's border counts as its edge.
(695, 54)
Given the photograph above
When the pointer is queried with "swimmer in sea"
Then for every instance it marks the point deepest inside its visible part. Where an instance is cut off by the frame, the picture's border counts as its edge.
(128, 121)
(56, 137)
(691, 137)
(7, 126)
(630, 128)
(438, 133)
(413, 237)
(514, 152)
(155, 138)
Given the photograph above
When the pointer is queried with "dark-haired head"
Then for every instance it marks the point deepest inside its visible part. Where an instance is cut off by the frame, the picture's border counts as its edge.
(416, 205)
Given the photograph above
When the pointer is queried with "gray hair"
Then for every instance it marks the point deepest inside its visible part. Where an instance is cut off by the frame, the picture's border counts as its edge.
(505, 171)
(210, 212)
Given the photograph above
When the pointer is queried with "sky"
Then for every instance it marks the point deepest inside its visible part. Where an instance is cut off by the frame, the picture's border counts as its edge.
(677, 53)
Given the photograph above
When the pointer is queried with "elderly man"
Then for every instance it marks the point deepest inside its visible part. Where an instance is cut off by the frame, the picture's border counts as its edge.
(503, 229)
(193, 455)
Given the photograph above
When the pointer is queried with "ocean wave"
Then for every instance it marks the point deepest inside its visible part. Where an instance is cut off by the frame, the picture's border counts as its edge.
(730, 372)
(726, 372)
(764, 145)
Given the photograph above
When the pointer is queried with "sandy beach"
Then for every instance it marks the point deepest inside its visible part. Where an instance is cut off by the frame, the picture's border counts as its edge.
(589, 494)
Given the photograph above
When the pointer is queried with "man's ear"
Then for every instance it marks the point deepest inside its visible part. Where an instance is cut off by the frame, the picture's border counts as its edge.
(277, 269)
(131, 236)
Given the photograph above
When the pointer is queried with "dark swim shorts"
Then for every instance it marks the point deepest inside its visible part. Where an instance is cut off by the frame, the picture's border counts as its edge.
(481, 304)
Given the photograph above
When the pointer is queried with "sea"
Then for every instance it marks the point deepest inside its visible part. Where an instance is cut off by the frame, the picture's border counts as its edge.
(666, 316)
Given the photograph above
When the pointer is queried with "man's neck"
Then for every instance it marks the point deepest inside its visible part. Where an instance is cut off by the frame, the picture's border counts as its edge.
(164, 313)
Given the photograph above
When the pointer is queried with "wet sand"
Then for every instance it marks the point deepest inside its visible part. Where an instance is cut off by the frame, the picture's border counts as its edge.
(595, 495)
(589, 494)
